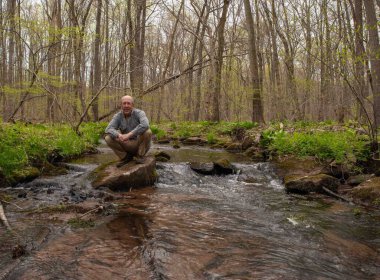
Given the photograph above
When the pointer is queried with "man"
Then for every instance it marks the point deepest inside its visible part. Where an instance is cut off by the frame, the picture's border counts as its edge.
(128, 133)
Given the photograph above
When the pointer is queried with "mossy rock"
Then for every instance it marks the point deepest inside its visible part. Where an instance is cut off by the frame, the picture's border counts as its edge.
(368, 192)
(129, 176)
(162, 154)
(247, 143)
(358, 179)
(26, 174)
(234, 147)
(312, 183)
(223, 166)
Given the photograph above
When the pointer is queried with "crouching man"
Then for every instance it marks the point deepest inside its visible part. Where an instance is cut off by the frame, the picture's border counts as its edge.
(128, 133)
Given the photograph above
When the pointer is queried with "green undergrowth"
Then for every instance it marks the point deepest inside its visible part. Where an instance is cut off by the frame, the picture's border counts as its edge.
(24, 145)
(211, 131)
(325, 141)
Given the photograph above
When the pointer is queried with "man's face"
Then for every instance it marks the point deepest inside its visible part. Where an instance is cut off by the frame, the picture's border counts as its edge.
(126, 105)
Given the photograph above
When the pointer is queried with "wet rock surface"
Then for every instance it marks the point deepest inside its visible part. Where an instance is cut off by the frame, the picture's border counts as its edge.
(218, 167)
(367, 192)
(310, 183)
(126, 177)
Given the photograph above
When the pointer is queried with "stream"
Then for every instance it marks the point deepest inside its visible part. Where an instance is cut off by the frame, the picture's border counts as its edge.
(188, 226)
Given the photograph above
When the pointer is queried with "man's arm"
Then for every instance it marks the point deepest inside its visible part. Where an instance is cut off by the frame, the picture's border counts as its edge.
(143, 123)
(112, 127)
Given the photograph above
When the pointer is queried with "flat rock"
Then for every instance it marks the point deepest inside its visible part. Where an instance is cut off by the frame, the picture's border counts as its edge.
(310, 183)
(129, 176)
(194, 141)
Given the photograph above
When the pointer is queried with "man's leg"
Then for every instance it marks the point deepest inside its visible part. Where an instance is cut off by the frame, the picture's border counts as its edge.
(116, 147)
(144, 142)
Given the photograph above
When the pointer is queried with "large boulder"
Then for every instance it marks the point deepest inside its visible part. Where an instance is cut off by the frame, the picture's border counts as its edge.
(368, 192)
(129, 176)
(312, 183)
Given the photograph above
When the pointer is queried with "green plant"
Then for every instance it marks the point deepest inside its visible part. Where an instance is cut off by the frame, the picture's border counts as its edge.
(211, 138)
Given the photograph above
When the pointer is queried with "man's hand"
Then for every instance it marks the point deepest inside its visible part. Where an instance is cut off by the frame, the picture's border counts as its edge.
(124, 137)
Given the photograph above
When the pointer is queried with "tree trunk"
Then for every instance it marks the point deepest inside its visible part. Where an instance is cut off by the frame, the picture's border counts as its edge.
(373, 53)
(257, 113)
(97, 63)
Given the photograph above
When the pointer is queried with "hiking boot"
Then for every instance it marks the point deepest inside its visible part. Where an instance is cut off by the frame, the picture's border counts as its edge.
(139, 160)
(124, 161)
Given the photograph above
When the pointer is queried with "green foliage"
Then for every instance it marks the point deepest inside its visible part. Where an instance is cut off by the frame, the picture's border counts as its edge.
(23, 145)
(341, 146)
(229, 127)
(211, 138)
(160, 133)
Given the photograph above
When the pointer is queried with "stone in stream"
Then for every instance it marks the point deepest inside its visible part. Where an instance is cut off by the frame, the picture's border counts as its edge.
(129, 176)
(194, 141)
(162, 156)
(310, 183)
(205, 168)
(219, 167)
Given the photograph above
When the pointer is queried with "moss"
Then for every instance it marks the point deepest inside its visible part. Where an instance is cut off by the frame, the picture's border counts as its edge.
(24, 175)
(79, 223)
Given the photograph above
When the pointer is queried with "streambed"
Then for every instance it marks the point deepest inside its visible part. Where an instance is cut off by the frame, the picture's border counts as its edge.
(188, 226)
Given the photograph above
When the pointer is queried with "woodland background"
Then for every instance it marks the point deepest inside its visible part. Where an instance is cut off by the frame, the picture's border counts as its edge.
(234, 60)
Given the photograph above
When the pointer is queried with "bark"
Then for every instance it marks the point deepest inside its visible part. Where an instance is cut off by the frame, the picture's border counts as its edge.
(373, 53)
(257, 114)
(97, 62)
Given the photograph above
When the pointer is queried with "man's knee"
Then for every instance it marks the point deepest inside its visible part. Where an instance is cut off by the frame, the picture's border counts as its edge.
(109, 140)
(147, 134)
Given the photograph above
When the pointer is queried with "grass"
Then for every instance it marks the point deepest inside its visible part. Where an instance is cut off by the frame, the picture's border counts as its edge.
(23, 145)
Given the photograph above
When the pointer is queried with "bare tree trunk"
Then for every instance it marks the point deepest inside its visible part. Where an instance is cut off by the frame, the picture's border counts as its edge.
(218, 62)
(373, 51)
(257, 114)
(97, 62)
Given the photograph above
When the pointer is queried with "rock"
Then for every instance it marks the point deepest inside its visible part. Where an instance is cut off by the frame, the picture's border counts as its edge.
(234, 147)
(312, 183)
(176, 145)
(247, 143)
(194, 141)
(337, 170)
(162, 156)
(368, 192)
(26, 174)
(129, 176)
(206, 168)
(163, 141)
(295, 166)
(358, 179)
(255, 153)
(223, 166)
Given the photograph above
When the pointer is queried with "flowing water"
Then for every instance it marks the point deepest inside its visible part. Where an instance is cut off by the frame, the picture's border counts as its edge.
(192, 226)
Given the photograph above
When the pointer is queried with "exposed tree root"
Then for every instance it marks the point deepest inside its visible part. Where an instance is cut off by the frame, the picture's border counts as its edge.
(3, 218)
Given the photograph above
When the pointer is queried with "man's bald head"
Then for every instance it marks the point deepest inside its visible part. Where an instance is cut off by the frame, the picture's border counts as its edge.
(127, 104)
(127, 97)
